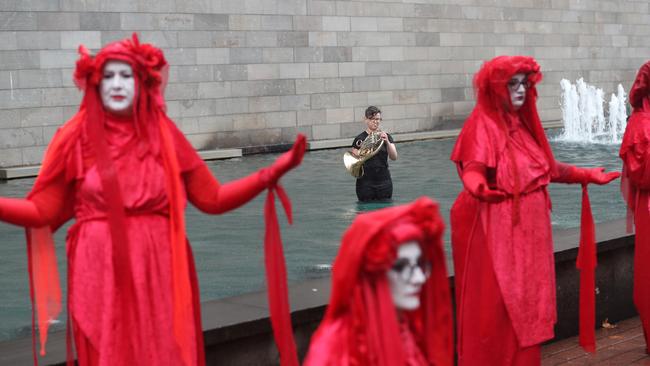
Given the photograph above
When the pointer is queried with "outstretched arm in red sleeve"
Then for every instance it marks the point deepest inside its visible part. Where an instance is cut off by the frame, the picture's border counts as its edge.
(42, 209)
(567, 173)
(208, 195)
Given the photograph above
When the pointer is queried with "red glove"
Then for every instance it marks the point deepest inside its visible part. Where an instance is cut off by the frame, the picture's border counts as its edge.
(571, 174)
(205, 192)
(476, 184)
(287, 161)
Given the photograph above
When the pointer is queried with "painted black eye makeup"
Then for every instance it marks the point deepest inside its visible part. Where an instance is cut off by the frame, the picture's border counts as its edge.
(125, 74)
(514, 84)
(406, 269)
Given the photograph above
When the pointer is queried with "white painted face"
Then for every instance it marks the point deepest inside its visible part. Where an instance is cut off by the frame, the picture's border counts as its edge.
(517, 87)
(117, 88)
(406, 277)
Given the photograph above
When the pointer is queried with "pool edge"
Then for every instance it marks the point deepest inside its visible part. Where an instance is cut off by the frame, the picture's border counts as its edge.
(29, 171)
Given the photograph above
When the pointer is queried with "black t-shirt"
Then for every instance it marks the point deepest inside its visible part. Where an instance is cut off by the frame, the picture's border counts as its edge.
(375, 168)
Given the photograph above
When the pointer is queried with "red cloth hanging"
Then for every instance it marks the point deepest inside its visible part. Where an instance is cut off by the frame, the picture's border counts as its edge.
(586, 263)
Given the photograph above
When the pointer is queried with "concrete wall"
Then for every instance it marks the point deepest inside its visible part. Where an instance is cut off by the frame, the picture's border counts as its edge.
(255, 72)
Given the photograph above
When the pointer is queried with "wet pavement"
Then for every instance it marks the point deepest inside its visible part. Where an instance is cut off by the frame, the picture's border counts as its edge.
(620, 344)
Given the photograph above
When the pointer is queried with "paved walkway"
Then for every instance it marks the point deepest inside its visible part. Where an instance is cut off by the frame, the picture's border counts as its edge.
(621, 345)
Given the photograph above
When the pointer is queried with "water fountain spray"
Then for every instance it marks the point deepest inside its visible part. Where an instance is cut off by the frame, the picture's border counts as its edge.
(584, 117)
(617, 114)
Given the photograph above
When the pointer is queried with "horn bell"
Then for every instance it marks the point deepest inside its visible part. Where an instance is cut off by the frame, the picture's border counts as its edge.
(354, 164)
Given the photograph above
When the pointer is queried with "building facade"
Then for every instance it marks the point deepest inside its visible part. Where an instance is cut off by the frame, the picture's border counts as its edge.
(256, 72)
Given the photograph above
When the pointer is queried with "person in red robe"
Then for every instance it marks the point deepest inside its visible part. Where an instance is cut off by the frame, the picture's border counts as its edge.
(390, 303)
(124, 172)
(501, 226)
(635, 186)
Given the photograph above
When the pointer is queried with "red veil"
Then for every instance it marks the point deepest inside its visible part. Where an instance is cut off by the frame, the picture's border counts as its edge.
(361, 302)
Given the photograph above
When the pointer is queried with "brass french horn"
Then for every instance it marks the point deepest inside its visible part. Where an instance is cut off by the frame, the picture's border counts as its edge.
(370, 146)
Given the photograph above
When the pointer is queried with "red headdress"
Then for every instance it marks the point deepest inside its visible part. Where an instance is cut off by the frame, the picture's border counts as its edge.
(150, 71)
(361, 301)
(640, 91)
(157, 135)
(494, 109)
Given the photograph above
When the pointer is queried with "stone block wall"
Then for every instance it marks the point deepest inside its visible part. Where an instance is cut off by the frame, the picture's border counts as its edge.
(256, 72)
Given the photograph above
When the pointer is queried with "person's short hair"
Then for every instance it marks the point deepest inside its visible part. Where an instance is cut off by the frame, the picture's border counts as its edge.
(371, 111)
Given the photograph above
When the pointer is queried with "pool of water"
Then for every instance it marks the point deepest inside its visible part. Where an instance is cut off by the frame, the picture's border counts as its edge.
(228, 248)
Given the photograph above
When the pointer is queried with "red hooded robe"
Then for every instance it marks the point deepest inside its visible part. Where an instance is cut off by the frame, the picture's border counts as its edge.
(503, 252)
(361, 326)
(635, 184)
(132, 287)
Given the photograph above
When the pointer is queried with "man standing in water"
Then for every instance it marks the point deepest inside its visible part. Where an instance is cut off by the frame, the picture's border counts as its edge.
(375, 184)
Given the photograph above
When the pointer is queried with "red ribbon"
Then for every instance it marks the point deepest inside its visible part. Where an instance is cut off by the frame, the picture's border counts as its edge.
(181, 284)
(44, 288)
(586, 263)
(276, 278)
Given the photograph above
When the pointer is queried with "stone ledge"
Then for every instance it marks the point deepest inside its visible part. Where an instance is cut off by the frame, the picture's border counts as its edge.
(220, 154)
(32, 171)
(429, 135)
(237, 329)
(19, 172)
(553, 124)
(408, 136)
(399, 137)
(330, 144)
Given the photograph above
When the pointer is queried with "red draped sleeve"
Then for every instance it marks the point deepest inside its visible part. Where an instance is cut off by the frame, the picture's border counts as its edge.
(188, 158)
(480, 141)
(635, 150)
(329, 345)
(54, 176)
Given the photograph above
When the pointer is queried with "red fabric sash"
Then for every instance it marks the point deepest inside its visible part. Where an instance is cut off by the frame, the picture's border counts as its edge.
(586, 263)
(276, 277)
(44, 285)
(382, 324)
(181, 286)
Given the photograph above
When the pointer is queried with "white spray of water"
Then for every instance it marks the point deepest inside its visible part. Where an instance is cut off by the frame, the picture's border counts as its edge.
(570, 111)
(584, 116)
(617, 114)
